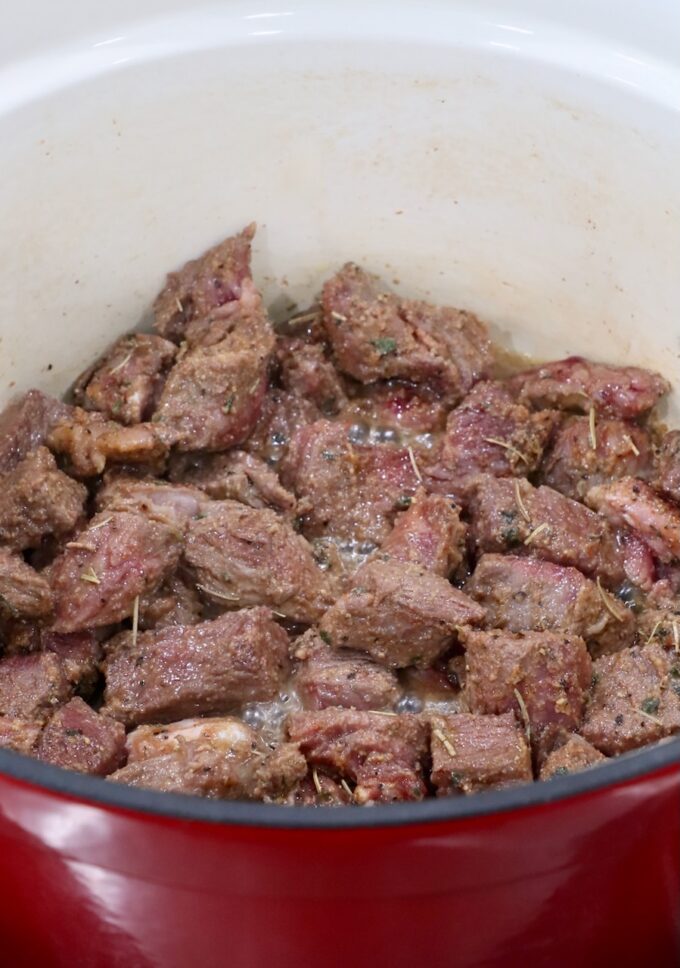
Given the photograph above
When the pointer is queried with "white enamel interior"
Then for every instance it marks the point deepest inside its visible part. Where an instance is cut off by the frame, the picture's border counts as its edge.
(517, 159)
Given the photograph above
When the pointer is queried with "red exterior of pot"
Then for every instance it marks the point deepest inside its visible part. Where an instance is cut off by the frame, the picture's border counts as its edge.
(588, 880)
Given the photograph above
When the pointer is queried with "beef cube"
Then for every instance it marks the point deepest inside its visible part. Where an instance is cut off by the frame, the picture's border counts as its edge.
(668, 466)
(25, 424)
(524, 594)
(488, 433)
(328, 677)
(20, 735)
(236, 476)
(317, 790)
(625, 392)
(660, 625)
(176, 602)
(377, 336)
(472, 753)
(174, 505)
(632, 503)
(429, 534)
(119, 557)
(306, 370)
(395, 405)
(283, 414)
(399, 614)
(218, 758)
(243, 556)
(635, 699)
(170, 673)
(543, 677)
(573, 465)
(23, 592)
(382, 754)
(88, 442)
(213, 282)
(79, 652)
(125, 383)
(576, 755)
(37, 500)
(213, 396)
(32, 685)
(78, 738)
(513, 516)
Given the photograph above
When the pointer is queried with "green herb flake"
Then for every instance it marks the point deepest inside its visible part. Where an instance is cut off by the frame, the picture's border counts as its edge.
(456, 780)
(385, 345)
(674, 672)
(403, 502)
(328, 455)
(229, 403)
(116, 407)
(511, 536)
(324, 636)
(650, 705)
(561, 771)
(73, 732)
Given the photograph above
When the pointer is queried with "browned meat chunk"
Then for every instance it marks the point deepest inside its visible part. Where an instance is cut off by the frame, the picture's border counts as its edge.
(124, 385)
(20, 735)
(220, 758)
(25, 424)
(396, 405)
(316, 790)
(543, 677)
(513, 516)
(37, 500)
(194, 670)
(632, 503)
(429, 534)
(376, 336)
(23, 592)
(243, 556)
(175, 603)
(625, 392)
(282, 415)
(399, 614)
(213, 396)
(523, 594)
(660, 625)
(668, 466)
(78, 738)
(32, 685)
(237, 476)
(635, 699)
(89, 442)
(172, 504)
(212, 283)
(307, 371)
(576, 754)
(382, 755)
(328, 677)
(488, 433)
(79, 653)
(119, 557)
(472, 753)
(573, 465)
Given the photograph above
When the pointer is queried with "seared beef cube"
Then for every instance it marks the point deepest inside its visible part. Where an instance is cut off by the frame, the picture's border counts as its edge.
(429, 534)
(635, 699)
(512, 515)
(125, 384)
(37, 500)
(119, 557)
(316, 790)
(78, 738)
(283, 414)
(626, 392)
(521, 594)
(632, 503)
(89, 442)
(176, 602)
(213, 396)
(488, 433)
(218, 758)
(25, 424)
(577, 754)
(399, 614)
(23, 592)
(20, 735)
(172, 504)
(306, 370)
(79, 652)
(472, 753)
(382, 754)
(210, 667)
(215, 281)
(242, 556)
(377, 336)
(328, 677)
(668, 466)
(32, 685)
(543, 677)
(660, 625)
(235, 475)
(395, 405)
(573, 464)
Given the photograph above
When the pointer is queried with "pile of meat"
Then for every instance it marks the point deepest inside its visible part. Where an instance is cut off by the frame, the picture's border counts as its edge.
(350, 559)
